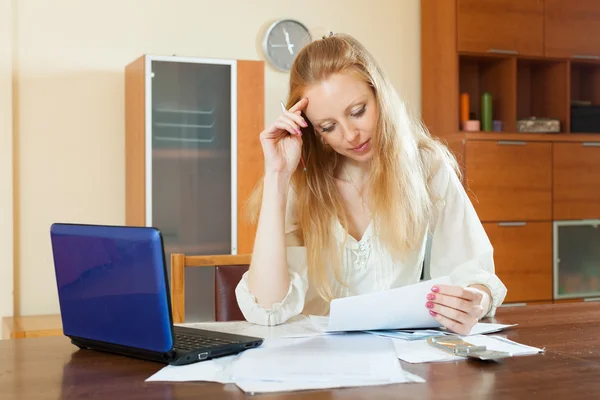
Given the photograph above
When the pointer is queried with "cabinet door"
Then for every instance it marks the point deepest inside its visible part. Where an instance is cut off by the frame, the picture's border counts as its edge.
(191, 137)
(503, 26)
(572, 28)
(523, 259)
(510, 181)
(576, 181)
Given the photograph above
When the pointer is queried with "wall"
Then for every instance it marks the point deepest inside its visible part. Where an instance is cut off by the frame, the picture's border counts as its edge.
(71, 56)
(6, 160)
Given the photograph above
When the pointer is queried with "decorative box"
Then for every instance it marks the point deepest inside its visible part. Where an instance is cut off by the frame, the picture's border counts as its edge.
(538, 125)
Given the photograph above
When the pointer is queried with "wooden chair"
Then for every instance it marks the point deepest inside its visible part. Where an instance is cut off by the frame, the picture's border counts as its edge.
(228, 272)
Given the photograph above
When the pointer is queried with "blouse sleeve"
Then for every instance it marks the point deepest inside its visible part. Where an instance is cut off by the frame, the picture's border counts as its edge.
(293, 302)
(460, 247)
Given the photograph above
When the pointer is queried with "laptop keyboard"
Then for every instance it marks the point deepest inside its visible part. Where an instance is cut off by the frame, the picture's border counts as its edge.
(194, 342)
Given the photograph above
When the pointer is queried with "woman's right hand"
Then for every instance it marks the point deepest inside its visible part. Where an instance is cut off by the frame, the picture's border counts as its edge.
(282, 140)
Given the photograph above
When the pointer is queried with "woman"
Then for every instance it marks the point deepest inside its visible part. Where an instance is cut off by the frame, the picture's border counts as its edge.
(357, 218)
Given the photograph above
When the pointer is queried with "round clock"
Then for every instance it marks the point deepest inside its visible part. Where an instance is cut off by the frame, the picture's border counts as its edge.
(283, 41)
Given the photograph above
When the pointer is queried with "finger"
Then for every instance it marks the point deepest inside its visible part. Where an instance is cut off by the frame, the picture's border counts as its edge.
(453, 302)
(448, 312)
(286, 126)
(300, 105)
(454, 290)
(297, 118)
(453, 325)
(285, 118)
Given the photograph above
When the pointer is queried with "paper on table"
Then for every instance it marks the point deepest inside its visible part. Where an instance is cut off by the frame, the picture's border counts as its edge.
(419, 351)
(298, 326)
(320, 359)
(398, 308)
(416, 334)
(306, 365)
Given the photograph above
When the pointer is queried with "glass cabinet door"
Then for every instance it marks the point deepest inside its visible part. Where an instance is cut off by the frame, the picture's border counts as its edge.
(191, 109)
(576, 259)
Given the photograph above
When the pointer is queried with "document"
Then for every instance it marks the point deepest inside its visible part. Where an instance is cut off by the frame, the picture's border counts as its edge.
(298, 326)
(400, 308)
(419, 351)
(417, 334)
(285, 364)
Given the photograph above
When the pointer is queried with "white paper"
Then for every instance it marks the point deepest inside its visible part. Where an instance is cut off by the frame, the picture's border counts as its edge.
(400, 308)
(320, 359)
(416, 334)
(298, 326)
(286, 364)
(419, 351)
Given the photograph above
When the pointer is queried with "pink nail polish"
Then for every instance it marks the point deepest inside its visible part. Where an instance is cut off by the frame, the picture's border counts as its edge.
(430, 296)
(435, 289)
(433, 313)
(429, 304)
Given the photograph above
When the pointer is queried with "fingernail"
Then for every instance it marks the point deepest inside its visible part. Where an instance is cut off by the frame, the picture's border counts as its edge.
(298, 131)
(433, 313)
(304, 124)
(429, 304)
(435, 289)
(430, 296)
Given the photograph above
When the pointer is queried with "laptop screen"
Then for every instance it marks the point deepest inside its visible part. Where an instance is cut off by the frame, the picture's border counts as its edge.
(112, 284)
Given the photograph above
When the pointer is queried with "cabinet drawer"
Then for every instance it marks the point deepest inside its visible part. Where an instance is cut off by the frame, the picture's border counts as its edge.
(576, 169)
(510, 181)
(503, 26)
(523, 258)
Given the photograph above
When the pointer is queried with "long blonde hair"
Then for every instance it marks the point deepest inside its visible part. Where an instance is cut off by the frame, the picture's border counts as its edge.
(404, 161)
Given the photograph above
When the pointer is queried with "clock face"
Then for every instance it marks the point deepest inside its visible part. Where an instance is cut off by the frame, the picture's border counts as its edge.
(283, 40)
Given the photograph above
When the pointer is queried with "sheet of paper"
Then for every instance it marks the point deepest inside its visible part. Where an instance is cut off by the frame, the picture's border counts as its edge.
(419, 351)
(320, 359)
(398, 308)
(287, 364)
(299, 326)
(416, 334)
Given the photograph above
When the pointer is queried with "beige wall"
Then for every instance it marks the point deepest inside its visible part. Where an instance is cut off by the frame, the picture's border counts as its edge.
(71, 56)
(6, 160)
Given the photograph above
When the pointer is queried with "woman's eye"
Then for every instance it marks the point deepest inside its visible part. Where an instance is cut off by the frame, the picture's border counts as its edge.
(359, 112)
(327, 128)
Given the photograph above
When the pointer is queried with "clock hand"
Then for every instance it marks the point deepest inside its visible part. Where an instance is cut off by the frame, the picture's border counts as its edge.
(282, 45)
(287, 39)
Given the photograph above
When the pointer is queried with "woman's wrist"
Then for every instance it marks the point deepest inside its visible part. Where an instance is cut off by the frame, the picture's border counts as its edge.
(486, 299)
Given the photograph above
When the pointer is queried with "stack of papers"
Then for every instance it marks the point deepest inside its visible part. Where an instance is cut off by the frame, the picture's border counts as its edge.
(299, 364)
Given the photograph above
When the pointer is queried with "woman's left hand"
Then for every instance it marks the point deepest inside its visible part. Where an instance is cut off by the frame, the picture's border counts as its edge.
(455, 307)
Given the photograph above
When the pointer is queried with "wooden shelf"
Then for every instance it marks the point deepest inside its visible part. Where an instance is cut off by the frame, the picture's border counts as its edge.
(190, 153)
(534, 137)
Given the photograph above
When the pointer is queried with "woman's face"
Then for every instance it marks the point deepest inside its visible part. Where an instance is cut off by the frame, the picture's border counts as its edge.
(344, 112)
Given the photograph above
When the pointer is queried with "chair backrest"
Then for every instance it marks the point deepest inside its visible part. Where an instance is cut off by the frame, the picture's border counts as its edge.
(228, 272)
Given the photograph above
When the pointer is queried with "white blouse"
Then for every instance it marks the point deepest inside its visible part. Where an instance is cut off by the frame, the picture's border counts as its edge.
(459, 248)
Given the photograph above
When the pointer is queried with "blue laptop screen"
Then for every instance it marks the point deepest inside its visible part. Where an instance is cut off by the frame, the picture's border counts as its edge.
(112, 284)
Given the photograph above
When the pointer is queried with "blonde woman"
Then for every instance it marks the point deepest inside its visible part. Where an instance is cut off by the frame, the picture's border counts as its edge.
(357, 219)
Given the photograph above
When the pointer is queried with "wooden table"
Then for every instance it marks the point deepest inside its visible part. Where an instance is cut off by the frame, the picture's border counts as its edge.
(51, 368)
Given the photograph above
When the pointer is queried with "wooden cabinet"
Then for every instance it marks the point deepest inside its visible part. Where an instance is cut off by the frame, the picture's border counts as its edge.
(576, 168)
(510, 180)
(572, 28)
(501, 26)
(523, 259)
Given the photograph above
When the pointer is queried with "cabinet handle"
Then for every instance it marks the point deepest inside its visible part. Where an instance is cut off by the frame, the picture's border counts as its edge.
(502, 51)
(592, 299)
(585, 56)
(512, 142)
(591, 144)
(512, 223)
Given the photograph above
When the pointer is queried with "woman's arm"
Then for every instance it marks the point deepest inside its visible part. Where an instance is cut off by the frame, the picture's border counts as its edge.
(268, 278)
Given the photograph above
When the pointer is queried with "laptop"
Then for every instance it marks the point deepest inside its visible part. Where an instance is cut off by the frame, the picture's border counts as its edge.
(114, 297)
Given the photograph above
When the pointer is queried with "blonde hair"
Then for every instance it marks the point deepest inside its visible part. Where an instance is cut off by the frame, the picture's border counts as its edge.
(404, 161)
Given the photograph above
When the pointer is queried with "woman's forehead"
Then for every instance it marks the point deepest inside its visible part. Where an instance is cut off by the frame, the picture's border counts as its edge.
(334, 95)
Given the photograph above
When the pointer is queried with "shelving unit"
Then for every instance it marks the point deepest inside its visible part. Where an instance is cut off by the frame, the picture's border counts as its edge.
(535, 57)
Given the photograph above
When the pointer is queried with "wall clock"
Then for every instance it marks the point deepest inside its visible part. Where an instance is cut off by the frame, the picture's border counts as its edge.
(283, 41)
